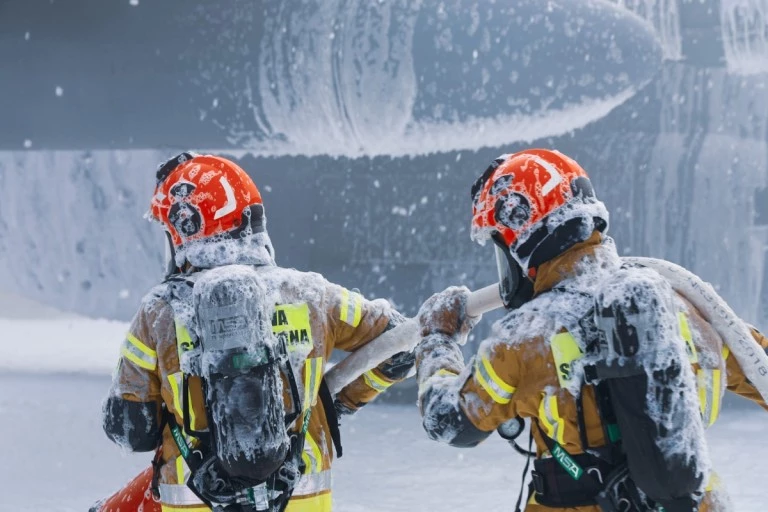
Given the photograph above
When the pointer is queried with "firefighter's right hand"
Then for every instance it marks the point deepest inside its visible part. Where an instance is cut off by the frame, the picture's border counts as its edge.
(446, 313)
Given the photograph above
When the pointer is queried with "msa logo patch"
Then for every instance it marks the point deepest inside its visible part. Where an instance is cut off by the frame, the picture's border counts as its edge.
(566, 462)
(228, 325)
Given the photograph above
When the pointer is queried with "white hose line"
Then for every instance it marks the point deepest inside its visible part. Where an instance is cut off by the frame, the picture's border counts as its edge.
(403, 337)
(751, 357)
(735, 333)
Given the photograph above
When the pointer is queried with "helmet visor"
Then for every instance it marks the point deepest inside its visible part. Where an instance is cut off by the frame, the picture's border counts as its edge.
(170, 257)
(515, 289)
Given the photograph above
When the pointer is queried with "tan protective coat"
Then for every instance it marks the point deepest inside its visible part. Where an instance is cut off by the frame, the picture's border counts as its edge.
(531, 388)
(338, 319)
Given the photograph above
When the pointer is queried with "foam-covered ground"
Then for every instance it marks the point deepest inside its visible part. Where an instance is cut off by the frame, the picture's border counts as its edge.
(56, 458)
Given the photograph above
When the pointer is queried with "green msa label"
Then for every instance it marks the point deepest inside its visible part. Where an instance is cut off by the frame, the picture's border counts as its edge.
(566, 461)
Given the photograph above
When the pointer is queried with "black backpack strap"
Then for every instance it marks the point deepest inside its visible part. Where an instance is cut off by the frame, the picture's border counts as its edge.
(193, 461)
(330, 415)
(157, 460)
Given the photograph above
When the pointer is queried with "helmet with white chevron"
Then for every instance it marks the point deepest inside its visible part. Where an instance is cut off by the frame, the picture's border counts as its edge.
(205, 203)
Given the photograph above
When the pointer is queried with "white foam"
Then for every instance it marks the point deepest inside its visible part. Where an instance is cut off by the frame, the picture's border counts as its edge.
(664, 16)
(744, 28)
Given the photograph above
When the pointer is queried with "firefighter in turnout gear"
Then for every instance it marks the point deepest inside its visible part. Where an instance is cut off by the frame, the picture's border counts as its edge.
(617, 374)
(222, 368)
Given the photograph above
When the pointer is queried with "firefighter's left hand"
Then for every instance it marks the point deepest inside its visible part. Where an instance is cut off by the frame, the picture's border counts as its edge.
(446, 313)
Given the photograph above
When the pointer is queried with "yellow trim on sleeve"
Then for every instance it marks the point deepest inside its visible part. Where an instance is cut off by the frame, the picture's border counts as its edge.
(137, 360)
(139, 345)
(344, 305)
(499, 391)
(375, 382)
(358, 309)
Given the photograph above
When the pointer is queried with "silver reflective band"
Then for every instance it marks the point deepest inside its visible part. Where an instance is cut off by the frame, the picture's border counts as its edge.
(313, 483)
(171, 494)
(488, 382)
(142, 355)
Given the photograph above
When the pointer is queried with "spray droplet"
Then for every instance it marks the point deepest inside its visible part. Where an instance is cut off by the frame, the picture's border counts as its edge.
(26, 36)
(27, 143)
(134, 2)
(59, 91)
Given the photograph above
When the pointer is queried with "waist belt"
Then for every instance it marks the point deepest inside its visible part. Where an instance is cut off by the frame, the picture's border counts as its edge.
(554, 487)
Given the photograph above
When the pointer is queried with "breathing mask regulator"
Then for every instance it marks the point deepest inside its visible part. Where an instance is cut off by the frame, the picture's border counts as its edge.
(253, 462)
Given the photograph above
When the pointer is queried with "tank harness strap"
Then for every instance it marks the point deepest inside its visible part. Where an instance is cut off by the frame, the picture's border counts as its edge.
(193, 462)
(565, 480)
(157, 460)
(525, 469)
(330, 415)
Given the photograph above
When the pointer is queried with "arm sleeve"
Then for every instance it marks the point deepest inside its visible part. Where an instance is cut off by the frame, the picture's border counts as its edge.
(355, 321)
(131, 412)
(737, 381)
(463, 405)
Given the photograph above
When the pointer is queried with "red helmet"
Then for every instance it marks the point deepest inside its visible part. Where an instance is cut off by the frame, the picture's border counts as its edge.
(534, 205)
(203, 200)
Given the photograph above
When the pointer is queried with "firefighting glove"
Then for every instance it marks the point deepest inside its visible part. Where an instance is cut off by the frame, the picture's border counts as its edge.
(444, 325)
(446, 313)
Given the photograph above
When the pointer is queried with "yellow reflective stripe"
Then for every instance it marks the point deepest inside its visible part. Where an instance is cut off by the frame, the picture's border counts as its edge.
(496, 379)
(500, 391)
(685, 332)
(375, 382)
(701, 383)
(714, 483)
(141, 346)
(344, 305)
(315, 456)
(181, 476)
(550, 416)
(319, 503)
(549, 429)
(138, 353)
(313, 483)
(175, 380)
(307, 460)
(444, 372)
(202, 508)
(179, 497)
(358, 309)
(313, 375)
(351, 310)
(716, 396)
(710, 387)
(726, 352)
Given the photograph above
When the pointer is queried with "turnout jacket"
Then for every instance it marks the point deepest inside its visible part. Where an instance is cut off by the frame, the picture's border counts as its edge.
(515, 372)
(313, 315)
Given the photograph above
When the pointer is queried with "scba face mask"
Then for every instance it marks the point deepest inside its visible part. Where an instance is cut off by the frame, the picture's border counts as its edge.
(514, 287)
